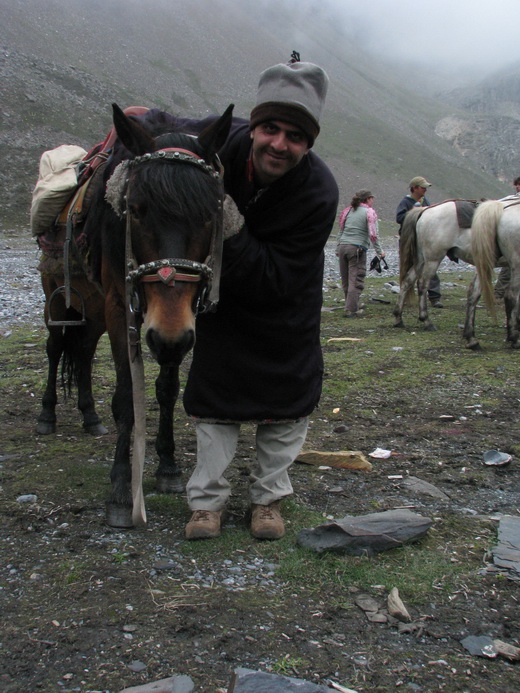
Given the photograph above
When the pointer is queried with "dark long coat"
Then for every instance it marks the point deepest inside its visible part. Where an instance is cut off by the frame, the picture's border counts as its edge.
(258, 357)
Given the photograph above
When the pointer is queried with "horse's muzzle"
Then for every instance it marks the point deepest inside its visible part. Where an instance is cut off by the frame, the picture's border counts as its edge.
(166, 352)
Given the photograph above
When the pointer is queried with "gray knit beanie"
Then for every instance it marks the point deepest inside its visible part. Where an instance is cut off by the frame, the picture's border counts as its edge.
(293, 92)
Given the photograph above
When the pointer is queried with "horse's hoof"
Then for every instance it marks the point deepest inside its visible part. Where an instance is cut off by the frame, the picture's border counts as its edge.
(95, 429)
(474, 347)
(170, 484)
(430, 328)
(119, 517)
(399, 324)
(44, 428)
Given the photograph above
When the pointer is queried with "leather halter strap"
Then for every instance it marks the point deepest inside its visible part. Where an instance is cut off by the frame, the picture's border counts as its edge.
(170, 271)
(179, 154)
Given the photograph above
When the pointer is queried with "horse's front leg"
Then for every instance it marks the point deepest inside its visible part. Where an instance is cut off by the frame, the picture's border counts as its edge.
(168, 474)
(406, 286)
(54, 348)
(471, 306)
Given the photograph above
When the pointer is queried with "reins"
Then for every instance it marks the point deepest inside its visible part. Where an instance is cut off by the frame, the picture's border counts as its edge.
(168, 271)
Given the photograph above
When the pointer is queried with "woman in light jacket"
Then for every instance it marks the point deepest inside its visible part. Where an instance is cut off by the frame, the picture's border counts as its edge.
(357, 230)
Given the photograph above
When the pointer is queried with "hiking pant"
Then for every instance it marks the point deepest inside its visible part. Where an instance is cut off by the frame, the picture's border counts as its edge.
(434, 288)
(277, 446)
(353, 270)
(504, 277)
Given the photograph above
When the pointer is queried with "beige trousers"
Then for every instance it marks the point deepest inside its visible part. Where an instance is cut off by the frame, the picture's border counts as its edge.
(277, 446)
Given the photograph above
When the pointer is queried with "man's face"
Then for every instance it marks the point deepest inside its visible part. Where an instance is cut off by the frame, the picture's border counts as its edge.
(277, 148)
(517, 186)
(418, 191)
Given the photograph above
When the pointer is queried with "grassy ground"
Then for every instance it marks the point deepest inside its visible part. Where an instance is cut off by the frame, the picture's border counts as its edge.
(389, 389)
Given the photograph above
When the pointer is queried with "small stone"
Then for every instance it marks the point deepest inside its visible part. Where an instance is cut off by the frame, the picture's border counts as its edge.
(137, 666)
(166, 565)
(396, 608)
(27, 498)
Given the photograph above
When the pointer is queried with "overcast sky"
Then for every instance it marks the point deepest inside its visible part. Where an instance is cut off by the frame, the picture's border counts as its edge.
(467, 34)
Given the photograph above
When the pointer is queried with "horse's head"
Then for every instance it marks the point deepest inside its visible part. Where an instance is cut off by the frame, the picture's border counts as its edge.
(171, 199)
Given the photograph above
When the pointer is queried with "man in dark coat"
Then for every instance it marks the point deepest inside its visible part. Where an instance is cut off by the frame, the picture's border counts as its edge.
(417, 198)
(258, 357)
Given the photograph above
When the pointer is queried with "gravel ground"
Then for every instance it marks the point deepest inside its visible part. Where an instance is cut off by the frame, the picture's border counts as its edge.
(21, 297)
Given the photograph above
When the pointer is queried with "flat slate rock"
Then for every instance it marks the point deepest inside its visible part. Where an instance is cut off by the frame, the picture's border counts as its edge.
(479, 646)
(249, 681)
(366, 535)
(412, 483)
(174, 684)
(506, 554)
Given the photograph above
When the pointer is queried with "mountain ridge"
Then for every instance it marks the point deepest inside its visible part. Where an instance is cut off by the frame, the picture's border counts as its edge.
(63, 64)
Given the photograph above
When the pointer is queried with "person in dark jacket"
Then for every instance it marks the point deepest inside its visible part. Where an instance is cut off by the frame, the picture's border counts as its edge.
(504, 276)
(417, 198)
(258, 357)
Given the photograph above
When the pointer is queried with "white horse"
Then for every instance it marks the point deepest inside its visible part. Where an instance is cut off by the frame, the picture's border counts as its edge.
(427, 236)
(495, 231)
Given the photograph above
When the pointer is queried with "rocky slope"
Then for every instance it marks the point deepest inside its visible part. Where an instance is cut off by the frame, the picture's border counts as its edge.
(488, 130)
(63, 63)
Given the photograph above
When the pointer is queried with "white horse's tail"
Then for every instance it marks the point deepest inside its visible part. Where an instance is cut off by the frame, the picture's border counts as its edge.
(484, 248)
(408, 241)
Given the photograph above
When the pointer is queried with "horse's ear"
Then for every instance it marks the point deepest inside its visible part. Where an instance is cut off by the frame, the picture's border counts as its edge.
(131, 133)
(214, 136)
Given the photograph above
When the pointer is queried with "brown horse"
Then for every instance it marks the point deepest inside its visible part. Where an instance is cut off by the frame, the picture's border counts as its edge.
(153, 221)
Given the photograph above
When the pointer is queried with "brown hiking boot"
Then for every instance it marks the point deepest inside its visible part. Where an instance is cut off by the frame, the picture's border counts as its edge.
(204, 524)
(267, 522)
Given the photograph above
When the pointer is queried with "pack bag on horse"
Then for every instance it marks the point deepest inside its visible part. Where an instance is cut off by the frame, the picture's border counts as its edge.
(153, 225)
(495, 237)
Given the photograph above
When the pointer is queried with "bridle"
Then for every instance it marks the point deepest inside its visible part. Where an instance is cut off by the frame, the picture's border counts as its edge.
(169, 271)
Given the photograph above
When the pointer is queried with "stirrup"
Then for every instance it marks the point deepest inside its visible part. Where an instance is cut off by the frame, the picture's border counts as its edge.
(66, 323)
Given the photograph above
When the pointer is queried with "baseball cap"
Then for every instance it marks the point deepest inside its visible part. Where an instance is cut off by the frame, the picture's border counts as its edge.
(419, 181)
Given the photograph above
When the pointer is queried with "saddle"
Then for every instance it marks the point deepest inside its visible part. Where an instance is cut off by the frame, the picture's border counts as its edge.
(101, 151)
(465, 210)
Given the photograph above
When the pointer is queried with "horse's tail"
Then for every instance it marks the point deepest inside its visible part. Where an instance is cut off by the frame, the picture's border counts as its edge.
(484, 248)
(408, 243)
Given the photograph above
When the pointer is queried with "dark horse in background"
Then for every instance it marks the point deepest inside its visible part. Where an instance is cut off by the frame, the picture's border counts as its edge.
(144, 268)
